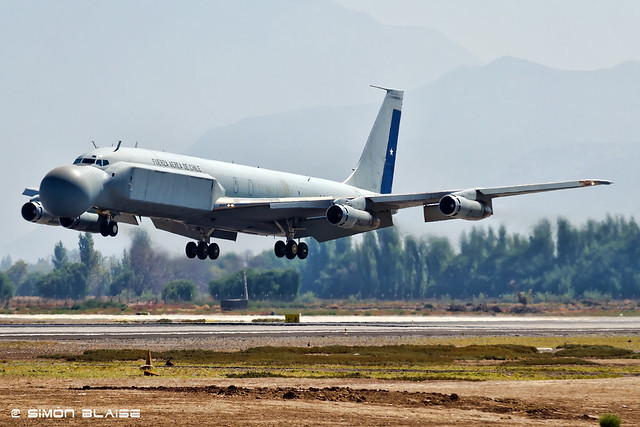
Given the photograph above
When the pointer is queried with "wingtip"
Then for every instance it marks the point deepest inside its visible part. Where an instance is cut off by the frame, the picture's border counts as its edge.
(592, 182)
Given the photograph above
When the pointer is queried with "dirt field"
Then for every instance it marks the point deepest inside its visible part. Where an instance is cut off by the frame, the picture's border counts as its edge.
(299, 401)
(278, 401)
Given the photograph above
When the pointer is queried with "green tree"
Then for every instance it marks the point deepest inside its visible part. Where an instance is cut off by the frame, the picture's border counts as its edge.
(60, 256)
(17, 273)
(270, 284)
(6, 263)
(68, 281)
(88, 255)
(568, 242)
(367, 266)
(414, 268)
(6, 288)
(439, 254)
(151, 268)
(28, 286)
(123, 280)
(179, 290)
(390, 273)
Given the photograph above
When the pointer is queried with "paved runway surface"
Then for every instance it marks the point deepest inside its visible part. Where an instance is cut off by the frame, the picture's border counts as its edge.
(95, 326)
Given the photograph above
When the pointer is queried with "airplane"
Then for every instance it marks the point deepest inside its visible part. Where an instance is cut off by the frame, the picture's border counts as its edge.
(204, 199)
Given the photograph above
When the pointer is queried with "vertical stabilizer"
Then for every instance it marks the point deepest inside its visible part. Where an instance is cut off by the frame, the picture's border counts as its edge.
(377, 162)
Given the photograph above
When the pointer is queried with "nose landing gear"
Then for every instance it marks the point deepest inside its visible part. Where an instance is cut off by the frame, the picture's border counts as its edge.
(109, 228)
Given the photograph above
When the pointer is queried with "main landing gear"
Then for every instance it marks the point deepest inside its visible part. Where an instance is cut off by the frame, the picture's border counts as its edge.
(202, 250)
(109, 228)
(291, 249)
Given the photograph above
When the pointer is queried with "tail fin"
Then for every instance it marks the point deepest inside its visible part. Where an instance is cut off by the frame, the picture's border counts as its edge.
(377, 162)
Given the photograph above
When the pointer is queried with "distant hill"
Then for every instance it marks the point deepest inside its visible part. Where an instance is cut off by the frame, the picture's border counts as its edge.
(509, 122)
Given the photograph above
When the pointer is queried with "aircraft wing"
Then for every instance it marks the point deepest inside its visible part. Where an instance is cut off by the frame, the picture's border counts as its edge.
(430, 201)
(273, 216)
(276, 216)
(400, 201)
(515, 190)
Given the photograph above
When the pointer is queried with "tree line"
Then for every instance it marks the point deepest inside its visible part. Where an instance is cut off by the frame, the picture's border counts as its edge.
(597, 259)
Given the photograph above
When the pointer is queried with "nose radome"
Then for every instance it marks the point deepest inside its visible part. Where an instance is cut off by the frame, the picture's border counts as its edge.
(68, 191)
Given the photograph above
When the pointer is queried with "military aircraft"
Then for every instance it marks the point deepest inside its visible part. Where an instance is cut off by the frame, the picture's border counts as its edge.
(205, 199)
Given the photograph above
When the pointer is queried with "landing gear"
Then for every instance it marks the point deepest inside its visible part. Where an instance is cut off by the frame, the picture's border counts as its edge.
(202, 250)
(291, 249)
(191, 249)
(280, 248)
(303, 250)
(109, 228)
(214, 251)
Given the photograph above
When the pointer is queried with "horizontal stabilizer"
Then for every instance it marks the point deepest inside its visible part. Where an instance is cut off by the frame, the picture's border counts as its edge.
(30, 192)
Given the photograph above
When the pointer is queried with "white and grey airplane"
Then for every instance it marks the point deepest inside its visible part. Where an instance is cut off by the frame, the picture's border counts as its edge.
(205, 199)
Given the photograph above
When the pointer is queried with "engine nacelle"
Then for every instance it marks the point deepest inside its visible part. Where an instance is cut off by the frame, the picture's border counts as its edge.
(35, 212)
(345, 216)
(459, 207)
(89, 222)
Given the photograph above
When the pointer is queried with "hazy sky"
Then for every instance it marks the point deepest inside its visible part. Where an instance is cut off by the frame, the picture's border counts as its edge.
(164, 72)
(563, 34)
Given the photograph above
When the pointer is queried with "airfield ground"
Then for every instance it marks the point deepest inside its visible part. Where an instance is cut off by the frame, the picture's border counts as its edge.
(167, 400)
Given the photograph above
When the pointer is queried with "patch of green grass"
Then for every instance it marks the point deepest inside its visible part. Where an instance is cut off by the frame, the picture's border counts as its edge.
(627, 342)
(93, 303)
(284, 356)
(268, 320)
(473, 362)
(609, 420)
(597, 351)
(548, 360)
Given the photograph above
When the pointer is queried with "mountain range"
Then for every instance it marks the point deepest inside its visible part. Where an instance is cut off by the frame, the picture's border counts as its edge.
(509, 122)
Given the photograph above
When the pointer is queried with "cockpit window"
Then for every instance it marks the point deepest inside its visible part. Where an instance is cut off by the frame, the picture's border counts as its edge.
(91, 161)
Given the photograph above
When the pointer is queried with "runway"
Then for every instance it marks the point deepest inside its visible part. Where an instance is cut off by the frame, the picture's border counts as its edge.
(150, 327)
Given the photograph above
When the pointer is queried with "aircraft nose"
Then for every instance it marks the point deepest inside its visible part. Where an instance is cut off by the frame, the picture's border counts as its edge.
(68, 191)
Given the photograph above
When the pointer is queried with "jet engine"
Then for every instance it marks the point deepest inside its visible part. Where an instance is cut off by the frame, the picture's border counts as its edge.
(35, 212)
(89, 222)
(345, 216)
(457, 206)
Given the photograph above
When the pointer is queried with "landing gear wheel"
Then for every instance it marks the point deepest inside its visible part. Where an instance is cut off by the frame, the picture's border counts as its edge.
(279, 248)
(112, 227)
(214, 251)
(291, 249)
(191, 250)
(104, 229)
(201, 252)
(303, 250)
